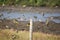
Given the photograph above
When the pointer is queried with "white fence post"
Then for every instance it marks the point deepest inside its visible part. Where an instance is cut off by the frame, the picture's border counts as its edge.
(31, 32)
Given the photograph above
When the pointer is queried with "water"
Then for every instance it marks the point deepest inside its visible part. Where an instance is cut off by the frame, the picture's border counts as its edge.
(25, 16)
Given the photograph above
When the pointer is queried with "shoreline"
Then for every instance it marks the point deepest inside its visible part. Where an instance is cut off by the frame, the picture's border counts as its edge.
(30, 9)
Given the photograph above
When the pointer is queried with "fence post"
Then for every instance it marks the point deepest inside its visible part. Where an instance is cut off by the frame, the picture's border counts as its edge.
(31, 32)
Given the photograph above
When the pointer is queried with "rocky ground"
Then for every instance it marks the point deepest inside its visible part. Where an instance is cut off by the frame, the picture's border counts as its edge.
(52, 28)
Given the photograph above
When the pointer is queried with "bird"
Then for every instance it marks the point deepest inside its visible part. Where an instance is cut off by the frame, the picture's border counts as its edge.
(42, 13)
(15, 21)
(1, 15)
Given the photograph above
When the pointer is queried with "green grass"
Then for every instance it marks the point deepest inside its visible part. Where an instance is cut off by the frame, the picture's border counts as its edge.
(50, 3)
(7, 34)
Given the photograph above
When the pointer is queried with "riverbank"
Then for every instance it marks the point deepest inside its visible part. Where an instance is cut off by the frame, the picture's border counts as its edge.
(30, 9)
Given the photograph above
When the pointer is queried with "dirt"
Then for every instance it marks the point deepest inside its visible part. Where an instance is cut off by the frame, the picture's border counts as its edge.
(30, 9)
(52, 28)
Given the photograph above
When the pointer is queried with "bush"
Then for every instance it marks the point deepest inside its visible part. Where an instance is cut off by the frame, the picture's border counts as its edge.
(50, 3)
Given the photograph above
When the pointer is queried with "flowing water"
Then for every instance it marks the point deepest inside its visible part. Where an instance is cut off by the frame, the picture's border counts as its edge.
(25, 16)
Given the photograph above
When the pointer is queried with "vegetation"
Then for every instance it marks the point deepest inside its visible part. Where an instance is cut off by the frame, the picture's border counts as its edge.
(10, 34)
(50, 3)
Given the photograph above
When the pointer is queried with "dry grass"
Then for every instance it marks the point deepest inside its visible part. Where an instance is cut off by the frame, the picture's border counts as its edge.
(7, 34)
(42, 36)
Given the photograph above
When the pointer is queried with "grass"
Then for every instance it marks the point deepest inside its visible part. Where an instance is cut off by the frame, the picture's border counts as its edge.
(10, 34)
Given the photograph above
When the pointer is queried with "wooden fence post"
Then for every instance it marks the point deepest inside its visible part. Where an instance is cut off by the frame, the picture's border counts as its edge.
(31, 30)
